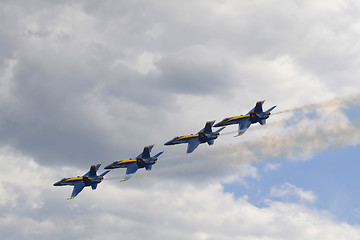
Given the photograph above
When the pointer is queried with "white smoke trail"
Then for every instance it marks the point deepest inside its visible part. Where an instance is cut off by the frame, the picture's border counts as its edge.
(335, 102)
(285, 139)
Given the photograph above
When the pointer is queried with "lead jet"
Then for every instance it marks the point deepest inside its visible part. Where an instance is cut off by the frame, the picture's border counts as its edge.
(253, 116)
(88, 179)
(204, 135)
(144, 160)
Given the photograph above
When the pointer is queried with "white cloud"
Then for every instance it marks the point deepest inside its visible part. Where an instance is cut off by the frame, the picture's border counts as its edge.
(96, 81)
(271, 167)
(288, 190)
(171, 209)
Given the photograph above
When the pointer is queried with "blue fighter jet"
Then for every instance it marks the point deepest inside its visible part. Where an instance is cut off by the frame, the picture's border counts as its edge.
(88, 179)
(253, 116)
(144, 160)
(204, 135)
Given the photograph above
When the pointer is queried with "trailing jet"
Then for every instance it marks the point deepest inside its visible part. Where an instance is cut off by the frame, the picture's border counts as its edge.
(253, 116)
(144, 160)
(204, 135)
(88, 179)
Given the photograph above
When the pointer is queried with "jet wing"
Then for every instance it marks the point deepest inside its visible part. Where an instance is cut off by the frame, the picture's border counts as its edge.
(78, 187)
(193, 144)
(244, 124)
(132, 169)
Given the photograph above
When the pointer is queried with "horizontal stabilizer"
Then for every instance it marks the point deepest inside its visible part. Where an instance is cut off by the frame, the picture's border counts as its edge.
(94, 186)
(211, 141)
(262, 121)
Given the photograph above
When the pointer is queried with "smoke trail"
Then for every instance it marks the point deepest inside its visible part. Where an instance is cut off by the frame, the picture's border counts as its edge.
(285, 139)
(289, 139)
(335, 102)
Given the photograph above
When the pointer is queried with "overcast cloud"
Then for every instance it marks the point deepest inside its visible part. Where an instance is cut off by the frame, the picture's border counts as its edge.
(89, 81)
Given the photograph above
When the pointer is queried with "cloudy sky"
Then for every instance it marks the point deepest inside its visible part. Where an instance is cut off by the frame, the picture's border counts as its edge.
(83, 82)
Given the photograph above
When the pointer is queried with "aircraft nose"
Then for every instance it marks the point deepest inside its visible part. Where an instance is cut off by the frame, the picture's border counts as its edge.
(108, 166)
(219, 124)
(57, 183)
(169, 143)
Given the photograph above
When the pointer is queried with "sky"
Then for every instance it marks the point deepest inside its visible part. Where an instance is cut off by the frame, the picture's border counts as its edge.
(83, 82)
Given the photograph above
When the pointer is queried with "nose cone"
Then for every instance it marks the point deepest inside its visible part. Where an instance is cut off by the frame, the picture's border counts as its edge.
(58, 183)
(110, 166)
(219, 124)
(169, 143)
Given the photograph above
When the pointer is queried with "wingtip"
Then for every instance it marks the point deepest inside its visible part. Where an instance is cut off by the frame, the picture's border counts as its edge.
(70, 198)
(124, 180)
(239, 135)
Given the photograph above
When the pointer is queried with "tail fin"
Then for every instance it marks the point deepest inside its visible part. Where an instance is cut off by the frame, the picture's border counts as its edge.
(270, 109)
(219, 130)
(146, 151)
(258, 107)
(158, 154)
(208, 127)
(104, 173)
(93, 170)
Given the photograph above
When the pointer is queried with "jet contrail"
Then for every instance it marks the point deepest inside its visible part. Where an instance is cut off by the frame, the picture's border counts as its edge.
(335, 102)
(291, 140)
(287, 140)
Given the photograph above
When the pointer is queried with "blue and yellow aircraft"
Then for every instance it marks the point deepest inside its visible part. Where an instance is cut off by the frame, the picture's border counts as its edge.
(88, 179)
(144, 160)
(253, 116)
(204, 135)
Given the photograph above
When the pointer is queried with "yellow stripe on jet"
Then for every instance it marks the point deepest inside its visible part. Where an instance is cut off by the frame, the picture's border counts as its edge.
(237, 117)
(73, 179)
(187, 136)
(126, 161)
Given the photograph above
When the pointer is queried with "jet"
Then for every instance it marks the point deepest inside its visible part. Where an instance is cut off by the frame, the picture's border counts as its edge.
(144, 160)
(204, 135)
(88, 179)
(253, 116)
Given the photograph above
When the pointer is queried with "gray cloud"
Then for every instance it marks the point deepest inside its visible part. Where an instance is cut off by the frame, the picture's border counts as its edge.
(89, 81)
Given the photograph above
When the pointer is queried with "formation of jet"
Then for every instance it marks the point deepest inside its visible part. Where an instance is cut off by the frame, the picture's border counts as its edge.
(88, 179)
(144, 160)
(204, 135)
(255, 115)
